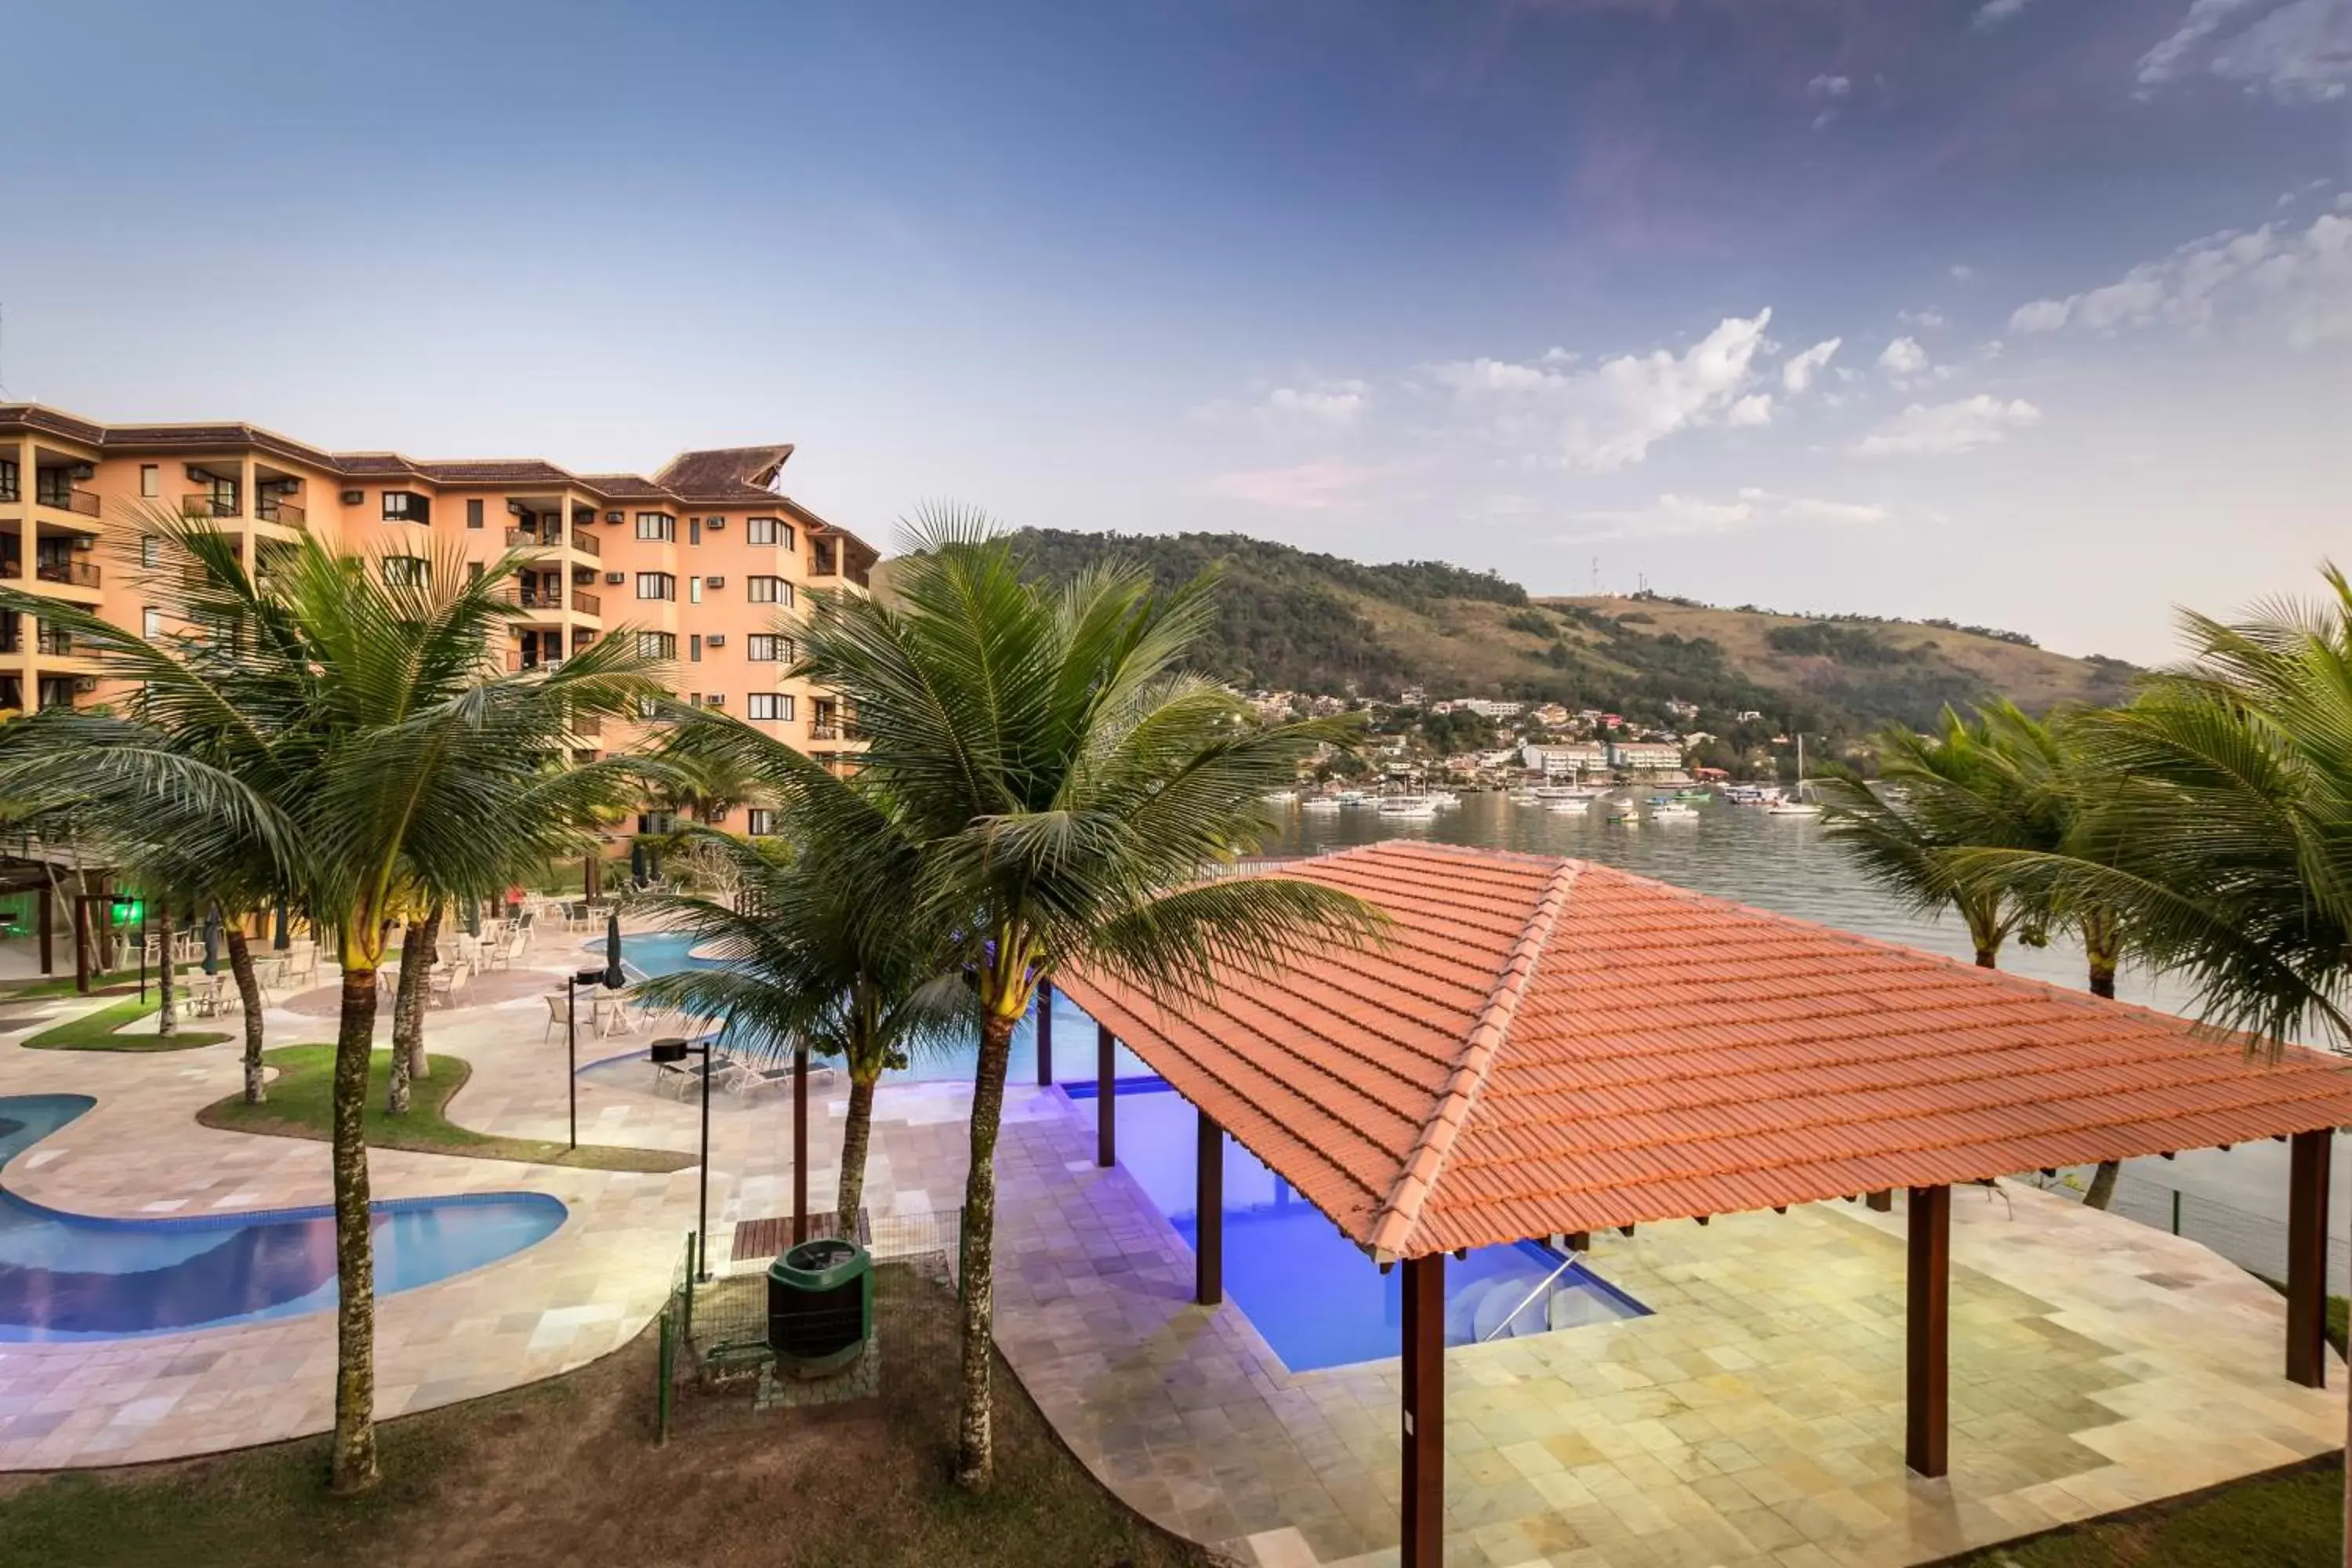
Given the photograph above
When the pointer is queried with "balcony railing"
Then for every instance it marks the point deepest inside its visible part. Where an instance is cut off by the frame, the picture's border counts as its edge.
(209, 505)
(586, 602)
(79, 573)
(518, 660)
(588, 726)
(66, 498)
(586, 543)
(282, 512)
(12, 566)
(53, 644)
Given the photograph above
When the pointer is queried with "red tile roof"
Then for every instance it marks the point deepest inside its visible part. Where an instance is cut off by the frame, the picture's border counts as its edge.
(1547, 1045)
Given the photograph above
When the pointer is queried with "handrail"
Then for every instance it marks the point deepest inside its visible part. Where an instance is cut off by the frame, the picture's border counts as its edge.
(1522, 1307)
(206, 504)
(66, 500)
(81, 573)
(280, 512)
(586, 602)
(586, 543)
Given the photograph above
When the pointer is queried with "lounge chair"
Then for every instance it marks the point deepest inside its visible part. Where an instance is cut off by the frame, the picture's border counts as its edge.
(557, 1014)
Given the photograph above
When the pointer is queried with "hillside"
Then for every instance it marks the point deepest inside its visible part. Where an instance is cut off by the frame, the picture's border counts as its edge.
(1295, 620)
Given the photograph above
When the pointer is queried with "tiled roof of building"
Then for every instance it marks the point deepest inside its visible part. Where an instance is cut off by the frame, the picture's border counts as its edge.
(626, 487)
(496, 471)
(1551, 1046)
(725, 473)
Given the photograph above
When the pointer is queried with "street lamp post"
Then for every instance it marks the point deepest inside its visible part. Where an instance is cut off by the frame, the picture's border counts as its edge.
(673, 1049)
(572, 983)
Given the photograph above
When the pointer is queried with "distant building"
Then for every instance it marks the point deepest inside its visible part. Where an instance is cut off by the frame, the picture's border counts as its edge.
(1565, 756)
(1551, 715)
(1491, 707)
(1646, 757)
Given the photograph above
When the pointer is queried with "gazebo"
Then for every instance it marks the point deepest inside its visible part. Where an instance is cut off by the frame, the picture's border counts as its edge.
(1546, 1046)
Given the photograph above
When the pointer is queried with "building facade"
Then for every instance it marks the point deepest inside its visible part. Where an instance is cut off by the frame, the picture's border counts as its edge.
(704, 562)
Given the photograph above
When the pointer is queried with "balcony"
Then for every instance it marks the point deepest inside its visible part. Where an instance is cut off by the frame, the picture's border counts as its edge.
(52, 643)
(517, 660)
(75, 573)
(281, 512)
(65, 498)
(586, 602)
(208, 506)
(12, 566)
(588, 727)
(586, 543)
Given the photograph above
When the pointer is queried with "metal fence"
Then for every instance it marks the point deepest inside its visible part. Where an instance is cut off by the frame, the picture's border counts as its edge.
(2254, 1242)
(719, 1364)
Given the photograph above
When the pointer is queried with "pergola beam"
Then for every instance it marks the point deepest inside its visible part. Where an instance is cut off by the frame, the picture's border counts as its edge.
(1424, 1534)
(1927, 1394)
(2306, 1259)
(1044, 1033)
(1208, 1210)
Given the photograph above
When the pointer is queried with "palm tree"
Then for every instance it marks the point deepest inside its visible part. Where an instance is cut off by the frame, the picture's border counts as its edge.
(820, 953)
(2224, 840)
(375, 750)
(1967, 787)
(1066, 780)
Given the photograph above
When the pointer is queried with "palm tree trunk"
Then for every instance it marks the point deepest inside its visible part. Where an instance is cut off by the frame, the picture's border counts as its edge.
(354, 1467)
(2102, 1184)
(420, 1060)
(416, 945)
(856, 1132)
(166, 1023)
(976, 1273)
(2100, 946)
(248, 996)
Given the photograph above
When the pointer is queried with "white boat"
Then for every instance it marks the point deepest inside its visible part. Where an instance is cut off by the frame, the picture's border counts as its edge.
(1524, 798)
(1318, 802)
(1568, 803)
(1794, 804)
(1673, 811)
(1351, 797)
(1569, 792)
(1444, 799)
(1622, 811)
(1408, 806)
(1279, 796)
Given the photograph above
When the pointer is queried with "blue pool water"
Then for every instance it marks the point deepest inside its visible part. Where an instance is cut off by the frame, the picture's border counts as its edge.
(1316, 1297)
(80, 1276)
(1074, 1032)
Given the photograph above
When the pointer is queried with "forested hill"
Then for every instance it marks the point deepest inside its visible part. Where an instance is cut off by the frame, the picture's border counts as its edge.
(1294, 620)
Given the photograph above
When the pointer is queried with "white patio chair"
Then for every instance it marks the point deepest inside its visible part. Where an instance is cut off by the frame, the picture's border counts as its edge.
(557, 1014)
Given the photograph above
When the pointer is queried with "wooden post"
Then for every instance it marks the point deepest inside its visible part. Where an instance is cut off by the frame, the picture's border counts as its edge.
(49, 919)
(1208, 1210)
(1580, 1241)
(591, 884)
(1424, 1534)
(1881, 1200)
(801, 1146)
(1106, 1097)
(1044, 1033)
(2306, 1259)
(1926, 1395)
(81, 944)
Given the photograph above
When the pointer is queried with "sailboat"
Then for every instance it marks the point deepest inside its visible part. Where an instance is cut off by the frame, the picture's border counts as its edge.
(1795, 804)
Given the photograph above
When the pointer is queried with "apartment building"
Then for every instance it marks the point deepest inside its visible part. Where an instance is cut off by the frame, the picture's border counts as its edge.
(703, 562)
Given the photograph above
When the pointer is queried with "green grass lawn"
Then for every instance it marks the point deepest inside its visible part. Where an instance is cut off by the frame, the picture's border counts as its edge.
(298, 1108)
(96, 1031)
(2290, 1520)
(63, 984)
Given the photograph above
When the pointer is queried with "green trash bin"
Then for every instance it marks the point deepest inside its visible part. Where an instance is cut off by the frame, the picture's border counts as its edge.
(820, 1306)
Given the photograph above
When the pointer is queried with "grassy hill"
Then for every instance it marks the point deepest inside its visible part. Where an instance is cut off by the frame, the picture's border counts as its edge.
(1295, 620)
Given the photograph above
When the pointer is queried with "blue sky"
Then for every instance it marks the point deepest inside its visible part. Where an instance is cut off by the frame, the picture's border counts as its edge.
(1526, 284)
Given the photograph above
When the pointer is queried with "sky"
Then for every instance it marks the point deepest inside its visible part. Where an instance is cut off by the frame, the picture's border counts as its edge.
(2030, 313)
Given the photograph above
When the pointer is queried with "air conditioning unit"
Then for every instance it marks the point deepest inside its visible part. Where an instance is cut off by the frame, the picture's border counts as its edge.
(714, 523)
(617, 578)
(615, 516)
(353, 497)
(85, 542)
(85, 684)
(514, 508)
(714, 581)
(717, 639)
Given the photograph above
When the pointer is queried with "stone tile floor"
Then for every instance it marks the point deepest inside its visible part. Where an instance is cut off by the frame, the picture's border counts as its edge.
(1754, 1419)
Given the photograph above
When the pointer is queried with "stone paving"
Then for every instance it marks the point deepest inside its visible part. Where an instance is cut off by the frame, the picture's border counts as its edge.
(1755, 1419)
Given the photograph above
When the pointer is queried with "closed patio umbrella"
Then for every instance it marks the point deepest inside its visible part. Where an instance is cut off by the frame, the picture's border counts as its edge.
(636, 862)
(613, 976)
(212, 941)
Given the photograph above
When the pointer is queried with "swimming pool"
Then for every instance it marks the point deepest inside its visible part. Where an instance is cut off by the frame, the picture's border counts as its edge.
(1314, 1295)
(658, 952)
(82, 1277)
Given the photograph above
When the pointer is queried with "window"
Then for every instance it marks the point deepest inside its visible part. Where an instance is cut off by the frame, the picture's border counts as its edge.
(151, 623)
(405, 506)
(694, 590)
(474, 512)
(769, 590)
(657, 644)
(407, 571)
(151, 551)
(694, 531)
(150, 479)
(694, 648)
(768, 531)
(10, 478)
(763, 647)
(775, 705)
(760, 822)
(647, 707)
(657, 525)
(656, 585)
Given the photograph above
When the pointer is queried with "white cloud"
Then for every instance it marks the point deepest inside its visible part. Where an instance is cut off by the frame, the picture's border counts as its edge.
(1754, 409)
(2296, 52)
(2302, 280)
(1830, 87)
(1961, 272)
(1948, 428)
(1674, 516)
(1798, 374)
(1324, 402)
(1993, 13)
(1611, 415)
(1306, 487)
(1929, 319)
(1903, 356)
